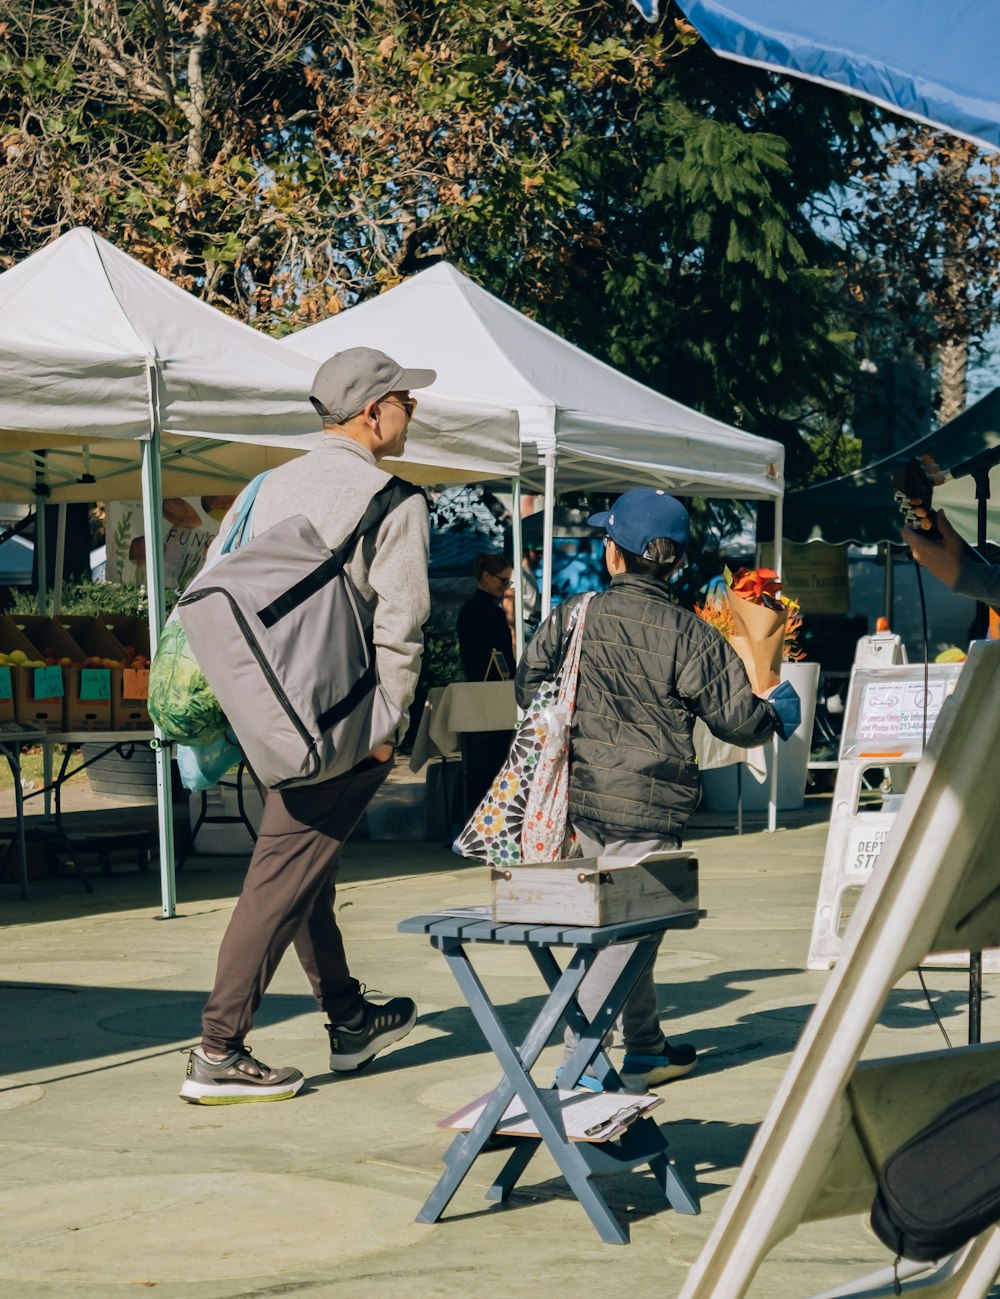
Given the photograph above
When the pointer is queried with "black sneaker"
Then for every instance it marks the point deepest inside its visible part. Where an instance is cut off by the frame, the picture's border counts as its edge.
(238, 1077)
(641, 1071)
(353, 1048)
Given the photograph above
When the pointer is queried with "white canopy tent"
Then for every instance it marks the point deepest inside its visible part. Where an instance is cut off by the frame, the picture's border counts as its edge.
(108, 371)
(582, 423)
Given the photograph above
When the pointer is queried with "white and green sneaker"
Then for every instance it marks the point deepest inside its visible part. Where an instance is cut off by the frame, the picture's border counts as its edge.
(235, 1079)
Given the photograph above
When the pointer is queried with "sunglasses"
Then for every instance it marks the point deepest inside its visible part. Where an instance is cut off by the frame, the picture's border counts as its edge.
(408, 404)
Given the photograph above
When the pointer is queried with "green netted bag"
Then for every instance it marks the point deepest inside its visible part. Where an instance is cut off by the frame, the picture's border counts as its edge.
(181, 702)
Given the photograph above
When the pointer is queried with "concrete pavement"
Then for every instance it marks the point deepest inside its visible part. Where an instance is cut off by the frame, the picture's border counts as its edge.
(111, 1183)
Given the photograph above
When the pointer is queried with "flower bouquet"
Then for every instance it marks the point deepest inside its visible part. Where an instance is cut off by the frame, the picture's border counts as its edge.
(759, 622)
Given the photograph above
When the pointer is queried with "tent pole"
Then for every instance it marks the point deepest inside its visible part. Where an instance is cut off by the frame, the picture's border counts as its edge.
(548, 532)
(42, 558)
(57, 581)
(772, 802)
(517, 557)
(152, 511)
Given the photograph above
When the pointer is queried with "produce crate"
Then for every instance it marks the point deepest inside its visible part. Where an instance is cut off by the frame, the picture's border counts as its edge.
(88, 678)
(38, 699)
(87, 708)
(129, 711)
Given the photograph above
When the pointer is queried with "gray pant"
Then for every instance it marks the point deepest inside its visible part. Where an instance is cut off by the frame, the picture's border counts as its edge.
(288, 898)
(640, 1018)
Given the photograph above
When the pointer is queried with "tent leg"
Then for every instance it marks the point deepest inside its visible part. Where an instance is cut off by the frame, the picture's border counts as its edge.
(548, 533)
(152, 511)
(60, 564)
(518, 558)
(40, 555)
(772, 802)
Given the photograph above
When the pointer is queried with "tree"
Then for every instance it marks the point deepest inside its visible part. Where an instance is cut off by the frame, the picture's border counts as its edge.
(927, 269)
(285, 158)
(180, 131)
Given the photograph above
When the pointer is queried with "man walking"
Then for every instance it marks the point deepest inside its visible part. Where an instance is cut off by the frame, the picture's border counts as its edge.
(363, 398)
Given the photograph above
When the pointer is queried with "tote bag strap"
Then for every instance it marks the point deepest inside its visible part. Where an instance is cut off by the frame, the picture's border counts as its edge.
(569, 670)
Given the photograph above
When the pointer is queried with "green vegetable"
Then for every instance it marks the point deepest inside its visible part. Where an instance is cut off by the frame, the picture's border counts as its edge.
(181, 702)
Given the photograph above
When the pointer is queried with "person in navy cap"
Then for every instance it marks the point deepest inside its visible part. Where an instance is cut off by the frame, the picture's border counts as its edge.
(648, 668)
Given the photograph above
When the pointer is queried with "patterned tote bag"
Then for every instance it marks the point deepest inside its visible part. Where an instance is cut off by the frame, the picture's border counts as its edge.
(494, 833)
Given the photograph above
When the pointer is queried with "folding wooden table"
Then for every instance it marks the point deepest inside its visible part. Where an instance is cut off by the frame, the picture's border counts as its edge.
(579, 1161)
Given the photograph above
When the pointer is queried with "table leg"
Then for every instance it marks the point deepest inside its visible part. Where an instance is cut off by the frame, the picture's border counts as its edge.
(589, 1053)
(516, 1063)
(542, 1107)
(13, 755)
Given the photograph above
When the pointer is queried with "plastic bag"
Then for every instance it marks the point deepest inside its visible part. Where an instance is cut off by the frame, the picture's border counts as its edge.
(203, 765)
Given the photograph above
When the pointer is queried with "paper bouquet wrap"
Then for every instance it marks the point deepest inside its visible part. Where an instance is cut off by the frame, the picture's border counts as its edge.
(759, 624)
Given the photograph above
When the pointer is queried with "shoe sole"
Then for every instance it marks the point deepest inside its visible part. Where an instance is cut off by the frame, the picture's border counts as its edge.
(352, 1062)
(196, 1093)
(656, 1077)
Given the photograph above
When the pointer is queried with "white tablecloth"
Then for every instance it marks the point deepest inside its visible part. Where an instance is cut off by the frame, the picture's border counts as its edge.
(451, 711)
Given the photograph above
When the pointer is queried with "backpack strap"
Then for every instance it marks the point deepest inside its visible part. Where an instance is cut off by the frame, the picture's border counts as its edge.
(378, 507)
(385, 499)
(242, 520)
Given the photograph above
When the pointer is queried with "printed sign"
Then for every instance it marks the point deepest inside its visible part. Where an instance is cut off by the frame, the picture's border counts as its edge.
(5, 686)
(95, 683)
(891, 708)
(48, 683)
(135, 683)
(815, 573)
(189, 527)
(864, 846)
(896, 710)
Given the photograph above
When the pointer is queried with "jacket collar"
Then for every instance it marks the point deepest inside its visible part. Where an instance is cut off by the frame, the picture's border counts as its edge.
(337, 442)
(648, 585)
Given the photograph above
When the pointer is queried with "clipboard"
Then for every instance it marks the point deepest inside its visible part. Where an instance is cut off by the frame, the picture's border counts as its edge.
(587, 1116)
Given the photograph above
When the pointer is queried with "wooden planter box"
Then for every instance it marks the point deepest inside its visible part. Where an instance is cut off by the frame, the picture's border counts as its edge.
(586, 892)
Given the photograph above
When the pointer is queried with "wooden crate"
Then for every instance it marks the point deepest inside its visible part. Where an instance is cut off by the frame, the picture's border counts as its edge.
(88, 690)
(588, 892)
(32, 707)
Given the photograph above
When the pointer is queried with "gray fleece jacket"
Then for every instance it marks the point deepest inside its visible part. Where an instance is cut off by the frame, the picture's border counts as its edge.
(979, 582)
(332, 486)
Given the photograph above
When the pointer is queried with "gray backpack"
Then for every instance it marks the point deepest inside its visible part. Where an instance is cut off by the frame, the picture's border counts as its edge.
(276, 630)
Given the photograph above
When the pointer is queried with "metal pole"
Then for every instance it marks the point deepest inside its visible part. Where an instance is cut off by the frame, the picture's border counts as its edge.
(152, 511)
(772, 801)
(982, 481)
(548, 532)
(518, 562)
(40, 549)
(57, 583)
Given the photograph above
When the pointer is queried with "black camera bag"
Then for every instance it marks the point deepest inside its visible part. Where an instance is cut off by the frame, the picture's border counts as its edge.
(942, 1187)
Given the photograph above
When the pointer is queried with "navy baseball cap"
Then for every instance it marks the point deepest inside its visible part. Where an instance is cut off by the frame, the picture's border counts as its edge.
(640, 516)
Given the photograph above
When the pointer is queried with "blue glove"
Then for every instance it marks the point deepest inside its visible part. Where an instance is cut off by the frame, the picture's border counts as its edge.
(785, 702)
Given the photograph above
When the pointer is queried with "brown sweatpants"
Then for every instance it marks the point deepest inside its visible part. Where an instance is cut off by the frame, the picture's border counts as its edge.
(288, 897)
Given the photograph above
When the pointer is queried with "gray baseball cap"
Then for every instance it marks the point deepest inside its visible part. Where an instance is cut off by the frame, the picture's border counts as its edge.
(345, 384)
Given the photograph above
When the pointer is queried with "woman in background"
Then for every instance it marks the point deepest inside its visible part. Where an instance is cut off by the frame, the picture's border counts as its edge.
(484, 639)
(487, 652)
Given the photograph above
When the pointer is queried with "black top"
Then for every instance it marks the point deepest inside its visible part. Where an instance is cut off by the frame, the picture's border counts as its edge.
(482, 628)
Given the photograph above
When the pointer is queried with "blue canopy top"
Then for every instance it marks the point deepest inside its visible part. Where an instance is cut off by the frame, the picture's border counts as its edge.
(932, 62)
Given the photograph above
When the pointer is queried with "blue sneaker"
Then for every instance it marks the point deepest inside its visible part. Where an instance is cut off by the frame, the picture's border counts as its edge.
(639, 1071)
(586, 1080)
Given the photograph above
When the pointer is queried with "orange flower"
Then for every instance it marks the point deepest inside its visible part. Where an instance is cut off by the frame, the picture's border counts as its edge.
(758, 585)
